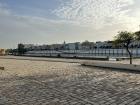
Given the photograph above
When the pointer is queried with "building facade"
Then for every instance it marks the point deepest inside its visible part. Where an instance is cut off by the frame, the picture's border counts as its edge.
(2, 52)
(72, 46)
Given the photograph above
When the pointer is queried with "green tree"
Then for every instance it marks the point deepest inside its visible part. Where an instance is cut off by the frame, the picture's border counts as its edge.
(88, 44)
(137, 35)
(9, 51)
(85, 43)
(21, 49)
(125, 38)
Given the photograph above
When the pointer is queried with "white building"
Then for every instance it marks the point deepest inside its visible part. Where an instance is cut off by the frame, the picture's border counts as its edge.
(73, 46)
(27, 46)
(105, 44)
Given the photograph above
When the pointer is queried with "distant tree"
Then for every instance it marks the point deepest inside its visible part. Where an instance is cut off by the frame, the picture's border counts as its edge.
(9, 51)
(21, 49)
(88, 44)
(92, 45)
(85, 43)
(137, 35)
(125, 38)
(14, 51)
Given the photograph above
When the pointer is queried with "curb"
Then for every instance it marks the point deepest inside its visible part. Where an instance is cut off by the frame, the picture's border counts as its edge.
(112, 65)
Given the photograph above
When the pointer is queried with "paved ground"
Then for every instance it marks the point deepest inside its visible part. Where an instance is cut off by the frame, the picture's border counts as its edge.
(135, 61)
(29, 82)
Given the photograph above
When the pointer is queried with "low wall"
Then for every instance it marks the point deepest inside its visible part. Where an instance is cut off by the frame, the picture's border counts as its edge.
(112, 65)
(72, 56)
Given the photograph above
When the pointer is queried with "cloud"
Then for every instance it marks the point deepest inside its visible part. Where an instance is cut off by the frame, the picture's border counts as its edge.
(97, 13)
(28, 29)
(74, 23)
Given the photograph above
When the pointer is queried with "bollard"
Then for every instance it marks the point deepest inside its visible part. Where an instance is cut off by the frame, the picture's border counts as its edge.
(2, 68)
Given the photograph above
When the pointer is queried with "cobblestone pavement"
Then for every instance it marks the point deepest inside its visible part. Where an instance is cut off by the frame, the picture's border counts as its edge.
(26, 82)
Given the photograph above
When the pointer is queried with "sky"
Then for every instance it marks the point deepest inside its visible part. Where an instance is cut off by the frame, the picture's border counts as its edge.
(56, 21)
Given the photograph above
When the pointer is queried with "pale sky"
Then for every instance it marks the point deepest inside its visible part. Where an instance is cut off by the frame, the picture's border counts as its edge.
(56, 21)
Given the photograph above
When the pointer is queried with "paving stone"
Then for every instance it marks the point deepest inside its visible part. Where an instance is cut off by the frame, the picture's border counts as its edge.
(60, 83)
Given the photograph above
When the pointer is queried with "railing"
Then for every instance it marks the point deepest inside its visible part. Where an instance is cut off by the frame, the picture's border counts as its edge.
(86, 53)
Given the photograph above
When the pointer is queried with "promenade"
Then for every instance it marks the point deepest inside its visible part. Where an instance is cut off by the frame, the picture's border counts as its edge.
(49, 81)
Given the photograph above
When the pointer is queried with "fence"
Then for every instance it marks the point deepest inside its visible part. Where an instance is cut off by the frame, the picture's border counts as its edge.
(86, 53)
